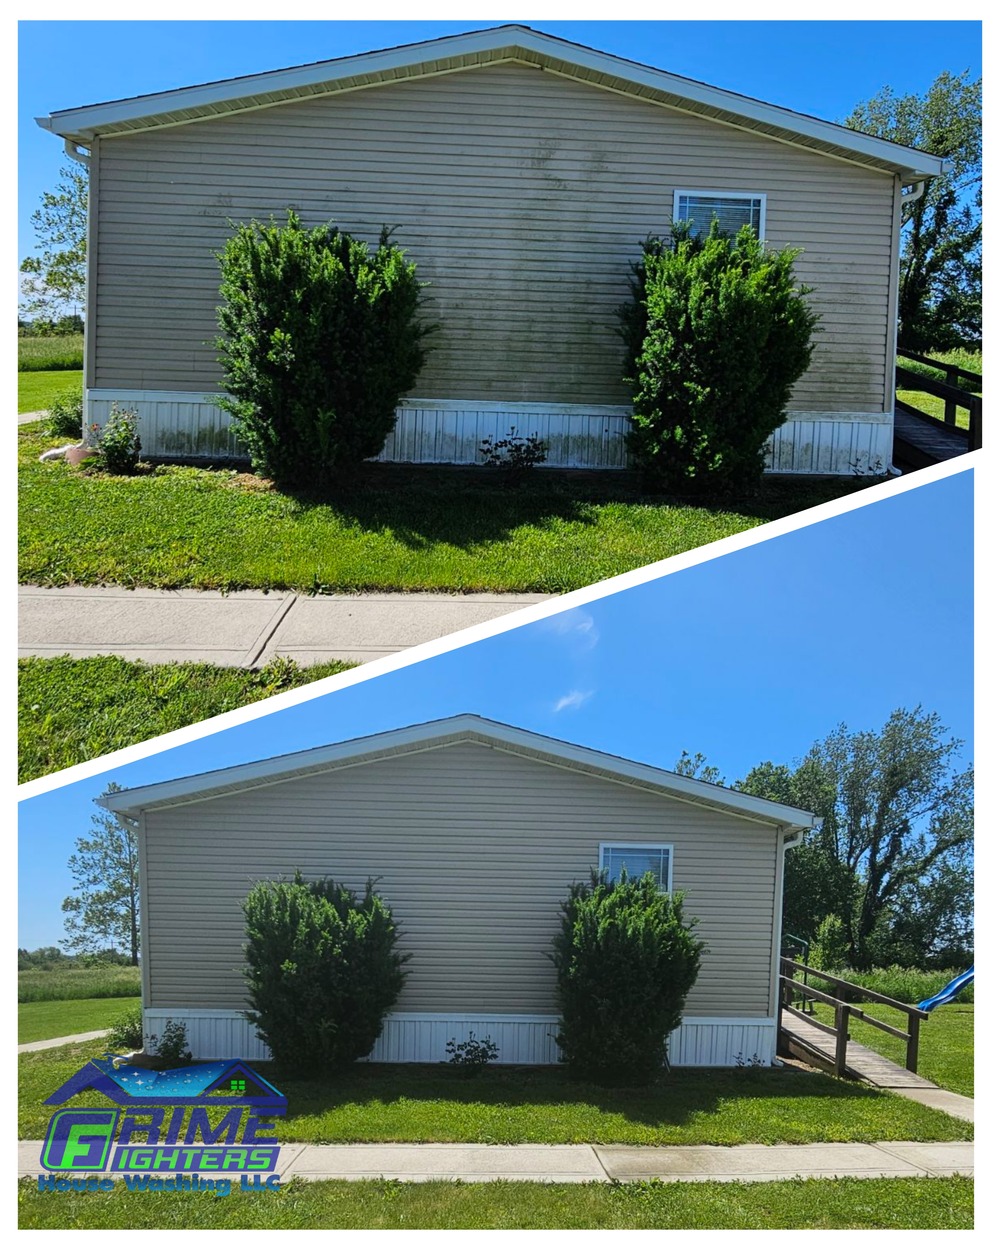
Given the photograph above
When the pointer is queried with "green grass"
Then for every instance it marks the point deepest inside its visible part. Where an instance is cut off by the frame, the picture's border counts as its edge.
(36, 985)
(38, 1021)
(75, 710)
(404, 530)
(941, 1202)
(946, 1042)
(414, 1103)
(49, 352)
(36, 391)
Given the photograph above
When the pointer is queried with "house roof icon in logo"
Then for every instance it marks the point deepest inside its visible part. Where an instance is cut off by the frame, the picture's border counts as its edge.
(226, 1083)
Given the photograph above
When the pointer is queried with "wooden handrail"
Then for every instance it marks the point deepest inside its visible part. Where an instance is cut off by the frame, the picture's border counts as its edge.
(977, 378)
(843, 1011)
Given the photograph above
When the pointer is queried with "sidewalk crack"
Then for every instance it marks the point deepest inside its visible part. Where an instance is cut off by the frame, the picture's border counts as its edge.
(262, 642)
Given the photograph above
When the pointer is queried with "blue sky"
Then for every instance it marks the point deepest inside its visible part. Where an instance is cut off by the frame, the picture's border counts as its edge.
(751, 656)
(821, 68)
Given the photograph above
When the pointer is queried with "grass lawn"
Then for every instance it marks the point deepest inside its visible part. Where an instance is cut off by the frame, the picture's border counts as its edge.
(74, 710)
(405, 530)
(37, 1021)
(413, 1103)
(35, 391)
(899, 1203)
(41, 985)
(946, 1042)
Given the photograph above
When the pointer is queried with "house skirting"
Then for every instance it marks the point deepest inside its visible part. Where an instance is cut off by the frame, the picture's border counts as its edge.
(428, 431)
(421, 1037)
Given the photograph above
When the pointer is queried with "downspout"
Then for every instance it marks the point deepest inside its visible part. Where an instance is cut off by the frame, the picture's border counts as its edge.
(913, 192)
(75, 152)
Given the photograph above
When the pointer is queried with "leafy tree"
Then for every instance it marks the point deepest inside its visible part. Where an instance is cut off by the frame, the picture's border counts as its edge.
(57, 278)
(940, 281)
(104, 910)
(320, 341)
(716, 334)
(625, 962)
(322, 970)
(697, 767)
(893, 858)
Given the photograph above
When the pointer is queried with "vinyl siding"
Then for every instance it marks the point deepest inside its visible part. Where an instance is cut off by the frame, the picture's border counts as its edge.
(474, 848)
(521, 196)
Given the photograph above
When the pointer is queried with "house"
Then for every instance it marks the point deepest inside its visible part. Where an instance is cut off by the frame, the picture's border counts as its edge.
(474, 831)
(520, 172)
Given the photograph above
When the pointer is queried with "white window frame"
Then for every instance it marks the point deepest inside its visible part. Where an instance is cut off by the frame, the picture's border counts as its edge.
(726, 195)
(642, 846)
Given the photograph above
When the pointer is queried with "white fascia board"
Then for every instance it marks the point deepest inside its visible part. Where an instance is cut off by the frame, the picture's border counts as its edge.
(286, 767)
(84, 123)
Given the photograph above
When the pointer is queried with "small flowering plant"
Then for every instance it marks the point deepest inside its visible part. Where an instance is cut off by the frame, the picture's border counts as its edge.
(116, 444)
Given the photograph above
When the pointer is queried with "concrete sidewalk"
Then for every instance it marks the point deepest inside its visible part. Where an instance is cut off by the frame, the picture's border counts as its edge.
(578, 1164)
(246, 628)
(50, 1042)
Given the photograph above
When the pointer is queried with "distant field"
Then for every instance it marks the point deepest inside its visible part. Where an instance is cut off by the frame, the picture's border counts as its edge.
(62, 351)
(37, 986)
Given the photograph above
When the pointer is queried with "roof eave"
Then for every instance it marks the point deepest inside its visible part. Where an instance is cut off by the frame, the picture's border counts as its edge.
(131, 803)
(440, 55)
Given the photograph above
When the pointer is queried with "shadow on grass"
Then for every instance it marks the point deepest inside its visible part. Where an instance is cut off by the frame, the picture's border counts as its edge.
(677, 1098)
(422, 506)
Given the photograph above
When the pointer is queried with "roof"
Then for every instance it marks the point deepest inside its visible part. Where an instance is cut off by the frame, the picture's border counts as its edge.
(453, 53)
(441, 733)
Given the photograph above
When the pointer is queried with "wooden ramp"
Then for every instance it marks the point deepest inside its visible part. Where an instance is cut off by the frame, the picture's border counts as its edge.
(920, 441)
(816, 1046)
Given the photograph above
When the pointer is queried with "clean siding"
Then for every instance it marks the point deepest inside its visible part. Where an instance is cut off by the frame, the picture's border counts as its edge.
(521, 195)
(475, 849)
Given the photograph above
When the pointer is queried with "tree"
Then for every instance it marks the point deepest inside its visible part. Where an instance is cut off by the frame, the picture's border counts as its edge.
(893, 858)
(320, 341)
(56, 280)
(716, 334)
(104, 910)
(940, 280)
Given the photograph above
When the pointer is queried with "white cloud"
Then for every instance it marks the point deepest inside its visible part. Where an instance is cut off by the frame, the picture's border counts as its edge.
(576, 624)
(575, 698)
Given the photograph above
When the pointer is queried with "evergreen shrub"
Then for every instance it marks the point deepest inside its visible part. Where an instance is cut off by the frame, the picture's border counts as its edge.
(320, 340)
(322, 970)
(716, 334)
(625, 962)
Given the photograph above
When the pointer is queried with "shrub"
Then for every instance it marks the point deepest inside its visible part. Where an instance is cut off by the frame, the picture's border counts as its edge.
(831, 945)
(716, 334)
(126, 1032)
(116, 444)
(513, 455)
(625, 961)
(322, 970)
(472, 1056)
(320, 340)
(66, 415)
(171, 1045)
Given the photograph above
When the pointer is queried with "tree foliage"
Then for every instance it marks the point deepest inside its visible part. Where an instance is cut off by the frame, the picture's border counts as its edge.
(893, 858)
(320, 341)
(625, 961)
(103, 911)
(322, 970)
(55, 280)
(716, 334)
(940, 281)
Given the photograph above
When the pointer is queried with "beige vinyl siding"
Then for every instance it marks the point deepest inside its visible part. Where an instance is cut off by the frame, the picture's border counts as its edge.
(521, 195)
(474, 848)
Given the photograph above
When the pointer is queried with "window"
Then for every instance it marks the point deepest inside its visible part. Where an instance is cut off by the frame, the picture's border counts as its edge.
(733, 209)
(637, 860)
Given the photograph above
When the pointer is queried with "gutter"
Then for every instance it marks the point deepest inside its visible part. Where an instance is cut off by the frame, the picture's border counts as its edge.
(75, 152)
